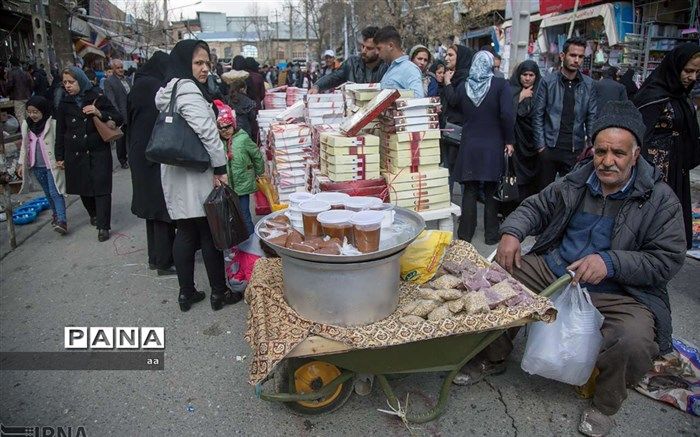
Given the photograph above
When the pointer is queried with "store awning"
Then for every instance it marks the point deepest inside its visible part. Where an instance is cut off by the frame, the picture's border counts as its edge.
(478, 33)
(533, 19)
(86, 49)
(607, 11)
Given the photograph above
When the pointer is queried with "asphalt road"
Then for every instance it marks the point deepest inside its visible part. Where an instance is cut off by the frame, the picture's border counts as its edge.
(50, 282)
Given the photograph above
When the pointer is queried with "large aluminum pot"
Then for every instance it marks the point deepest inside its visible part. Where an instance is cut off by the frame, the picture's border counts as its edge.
(342, 294)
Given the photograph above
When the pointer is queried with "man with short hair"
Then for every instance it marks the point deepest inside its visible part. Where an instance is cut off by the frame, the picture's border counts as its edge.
(608, 88)
(565, 105)
(497, 66)
(331, 63)
(19, 88)
(117, 89)
(402, 74)
(365, 68)
(619, 228)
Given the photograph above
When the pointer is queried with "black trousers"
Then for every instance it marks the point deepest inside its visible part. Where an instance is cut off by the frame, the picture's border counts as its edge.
(121, 146)
(451, 153)
(467, 222)
(99, 207)
(191, 233)
(160, 237)
(554, 161)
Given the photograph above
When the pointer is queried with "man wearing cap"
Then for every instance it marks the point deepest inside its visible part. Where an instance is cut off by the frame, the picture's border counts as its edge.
(619, 228)
(331, 64)
(365, 68)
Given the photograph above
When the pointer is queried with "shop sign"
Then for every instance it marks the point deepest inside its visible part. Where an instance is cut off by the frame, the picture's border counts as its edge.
(549, 6)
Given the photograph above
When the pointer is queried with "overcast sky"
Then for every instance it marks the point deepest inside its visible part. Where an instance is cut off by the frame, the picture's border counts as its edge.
(189, 9)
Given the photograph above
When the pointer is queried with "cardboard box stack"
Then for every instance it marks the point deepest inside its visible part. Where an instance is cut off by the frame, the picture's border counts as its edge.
(266, 117)
(410, 155)
(325, 109)
(295, 94)
(291, 147)
(275, 100)
(345, 158)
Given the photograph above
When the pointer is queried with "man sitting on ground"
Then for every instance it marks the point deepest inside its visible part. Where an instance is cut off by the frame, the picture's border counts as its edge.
(619, 227)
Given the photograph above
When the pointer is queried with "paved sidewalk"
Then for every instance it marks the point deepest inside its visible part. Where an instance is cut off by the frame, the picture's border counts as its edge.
(51, 282)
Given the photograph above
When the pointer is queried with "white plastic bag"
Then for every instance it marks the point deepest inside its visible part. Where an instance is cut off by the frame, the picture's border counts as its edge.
(567, 349)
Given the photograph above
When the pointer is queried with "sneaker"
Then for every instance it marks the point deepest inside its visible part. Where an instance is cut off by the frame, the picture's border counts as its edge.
(61, 228)
(54, 220)
(594, 423)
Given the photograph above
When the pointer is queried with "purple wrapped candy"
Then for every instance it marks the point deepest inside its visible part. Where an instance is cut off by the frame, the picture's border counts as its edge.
(454, 267)
(496, 275)
(475, 281)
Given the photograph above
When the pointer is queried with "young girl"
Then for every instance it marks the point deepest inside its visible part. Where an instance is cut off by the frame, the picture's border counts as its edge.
(245, 162)
(37, 155)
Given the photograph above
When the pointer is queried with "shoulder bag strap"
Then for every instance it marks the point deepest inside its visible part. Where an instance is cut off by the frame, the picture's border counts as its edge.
(173, 99)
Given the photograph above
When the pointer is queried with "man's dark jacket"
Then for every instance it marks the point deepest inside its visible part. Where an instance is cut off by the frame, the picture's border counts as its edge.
(549, 104)
(116, 93)
(352, 70)
(648, 242)
(607, 89)
(19, 84)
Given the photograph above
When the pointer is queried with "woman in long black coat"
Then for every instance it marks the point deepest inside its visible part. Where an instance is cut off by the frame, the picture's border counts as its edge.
(672, 138)
(147, 201)
(486, 103)
(458, 60)
(524, 82)
(87, 159)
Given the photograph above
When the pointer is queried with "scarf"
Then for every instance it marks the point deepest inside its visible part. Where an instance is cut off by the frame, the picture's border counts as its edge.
(180, 66)
(480, 75)
(463, 64)
(156, 67)
(83, 82)
(44, 106)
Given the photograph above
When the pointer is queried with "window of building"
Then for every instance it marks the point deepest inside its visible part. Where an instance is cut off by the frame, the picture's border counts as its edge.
(301, 55)
(250, 51)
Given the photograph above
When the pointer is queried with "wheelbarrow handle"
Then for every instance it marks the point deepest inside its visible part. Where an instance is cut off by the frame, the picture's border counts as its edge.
(556, 285)
(311, 396)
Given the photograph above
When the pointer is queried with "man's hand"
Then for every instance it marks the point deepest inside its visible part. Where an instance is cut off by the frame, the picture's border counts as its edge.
(448, 76)
(59, 165)
(220, 179)
(20, 171)
(508, 252)
(589, 269)
(509, 149)
(313, 90)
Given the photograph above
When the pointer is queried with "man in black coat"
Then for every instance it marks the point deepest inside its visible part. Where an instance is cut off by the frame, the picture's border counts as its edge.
(608, 88)
(117, 89)
(619, 228)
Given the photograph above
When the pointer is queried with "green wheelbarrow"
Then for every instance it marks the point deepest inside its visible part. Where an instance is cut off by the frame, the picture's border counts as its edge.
(320, 376)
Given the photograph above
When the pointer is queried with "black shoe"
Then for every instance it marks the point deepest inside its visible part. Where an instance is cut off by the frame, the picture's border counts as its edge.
(167, 272)
(151, 266)
(125, 165)
(102, 235)
(93, 221)
(187, 299)
(219, 300)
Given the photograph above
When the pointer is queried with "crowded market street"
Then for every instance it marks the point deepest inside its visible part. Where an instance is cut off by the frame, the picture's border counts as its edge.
(50, 282)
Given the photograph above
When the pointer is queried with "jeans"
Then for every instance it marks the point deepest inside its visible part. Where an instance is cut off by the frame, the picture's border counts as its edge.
(467, 222)
(191, 233)
(56, 200)
(244, 200)
(99, 207)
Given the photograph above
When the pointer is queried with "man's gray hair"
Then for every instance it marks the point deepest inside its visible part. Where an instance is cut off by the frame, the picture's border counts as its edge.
(113, 63)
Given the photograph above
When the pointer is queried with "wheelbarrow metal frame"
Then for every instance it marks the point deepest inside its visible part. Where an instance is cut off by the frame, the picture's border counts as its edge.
(433, 355)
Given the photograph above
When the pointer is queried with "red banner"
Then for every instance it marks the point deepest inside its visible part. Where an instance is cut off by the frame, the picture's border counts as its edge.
(549, 6)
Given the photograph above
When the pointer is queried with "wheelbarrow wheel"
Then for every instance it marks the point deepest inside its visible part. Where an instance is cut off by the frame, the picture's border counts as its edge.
(306, 376)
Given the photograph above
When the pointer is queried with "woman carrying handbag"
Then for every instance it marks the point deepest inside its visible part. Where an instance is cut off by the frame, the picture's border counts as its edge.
(186, 188)
(81, 151)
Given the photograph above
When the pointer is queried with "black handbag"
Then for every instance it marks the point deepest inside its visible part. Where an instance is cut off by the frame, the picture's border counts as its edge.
(452, 133)
(507, 190)
(174, 142)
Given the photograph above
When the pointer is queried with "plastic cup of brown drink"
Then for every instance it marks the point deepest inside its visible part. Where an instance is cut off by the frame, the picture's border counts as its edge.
(367, 226)
(336, 224)
(309, 212)
(337, 200)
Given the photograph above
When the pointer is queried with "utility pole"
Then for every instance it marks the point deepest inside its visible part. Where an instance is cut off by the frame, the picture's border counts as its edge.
(306, 44)
(291, 38)
(573, 19)
(165, 23)
(520, 33)
(277, 38)
(345, 32)
(353, 25)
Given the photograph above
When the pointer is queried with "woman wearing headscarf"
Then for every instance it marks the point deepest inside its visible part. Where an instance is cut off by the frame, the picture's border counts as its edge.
(185, 189)
(672, 139)
(255, 83)
(524, 82)
(37, 156)
(80, 149)
(458, 60)
(147, 201)
(627, 80)
(420, 55)
(486, 103)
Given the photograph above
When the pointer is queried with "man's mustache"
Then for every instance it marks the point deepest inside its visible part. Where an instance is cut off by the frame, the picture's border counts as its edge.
(612, 168)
